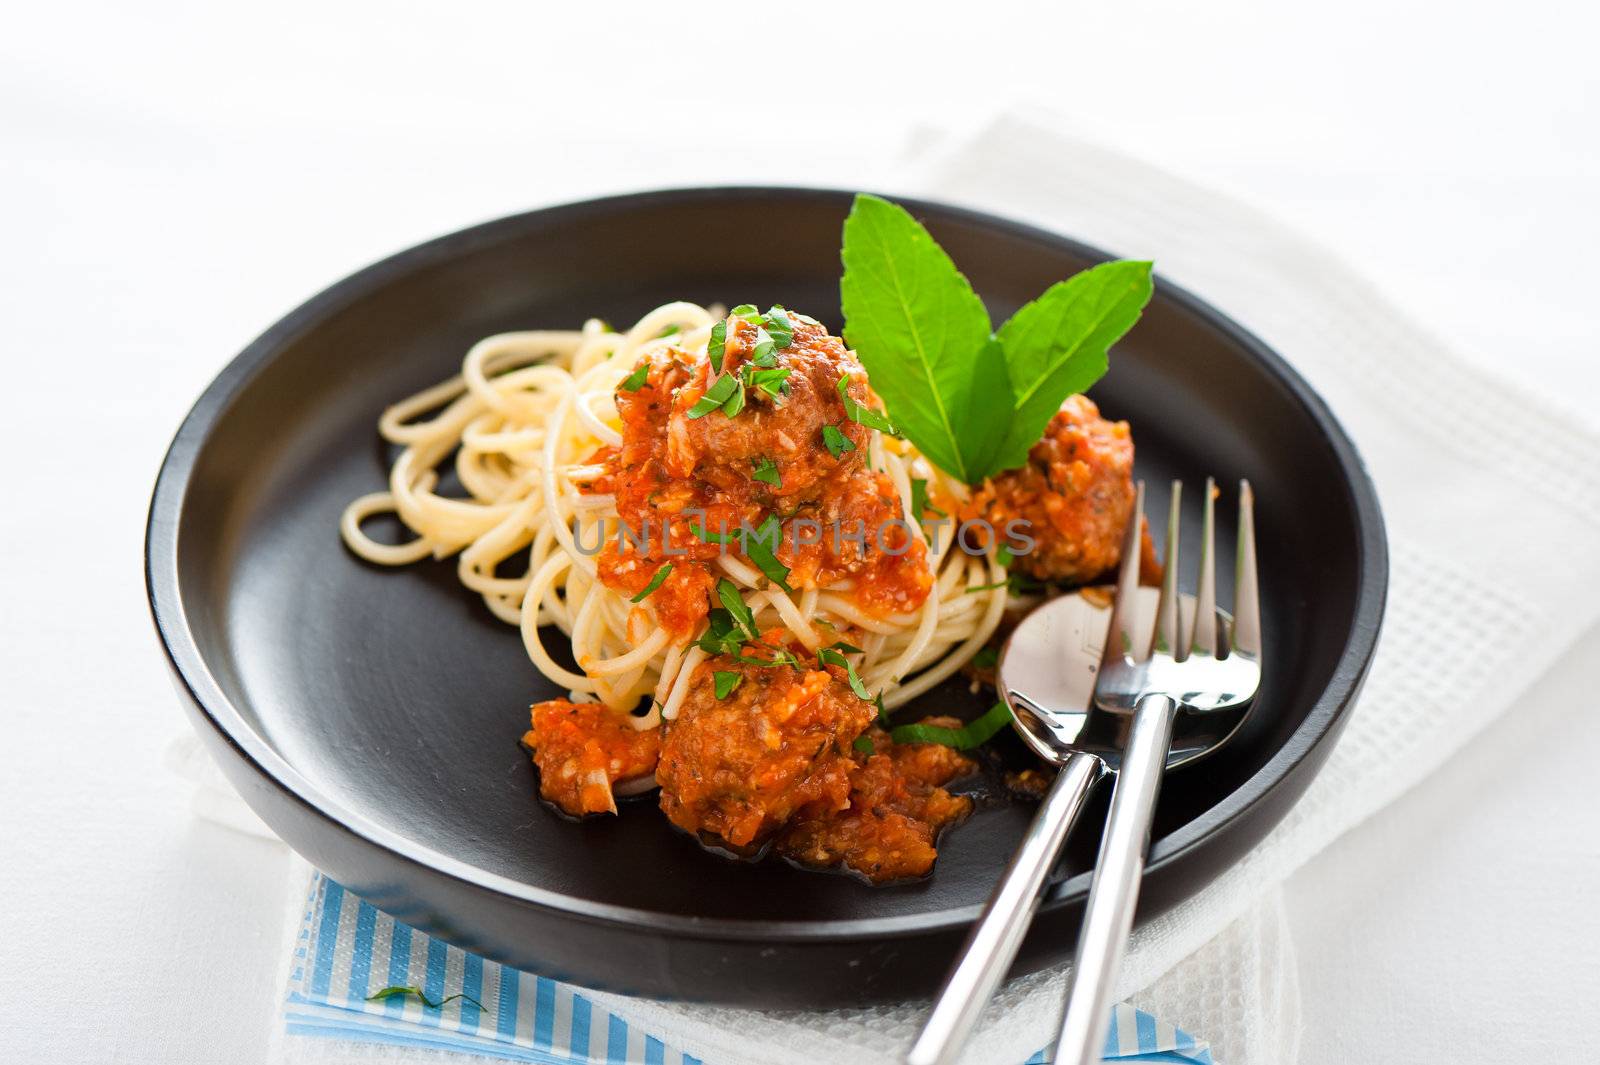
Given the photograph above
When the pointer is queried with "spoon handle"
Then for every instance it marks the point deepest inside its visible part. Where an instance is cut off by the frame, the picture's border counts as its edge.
(993, 941)
(1114, 892)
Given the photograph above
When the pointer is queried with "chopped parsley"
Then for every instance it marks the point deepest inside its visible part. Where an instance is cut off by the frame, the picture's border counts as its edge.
(860, 414)
(706, 536)
(761, 545)
(780, 657)
(717, 344)
(732, 625)
(416, 992)
(974, 733)
(919, 499)
(720, 637)
(725, 682)
(837, 443)
(635, 381)
(737, 609)
(773, 381)
(766, 472)
(655, 582)
(834, 655)
(722, 390)
(765, 351)
(762, 549)
(779, 325)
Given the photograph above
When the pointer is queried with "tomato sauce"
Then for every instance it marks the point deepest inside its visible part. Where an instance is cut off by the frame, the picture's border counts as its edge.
(1075, 494)
(582, 749)
(682, 483)
(736, 769)
(897, 807)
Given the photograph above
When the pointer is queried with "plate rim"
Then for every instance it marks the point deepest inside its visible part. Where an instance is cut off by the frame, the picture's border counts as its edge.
(201, 689)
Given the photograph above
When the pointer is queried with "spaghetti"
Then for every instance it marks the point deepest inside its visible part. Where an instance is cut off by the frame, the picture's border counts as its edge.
(527, 426)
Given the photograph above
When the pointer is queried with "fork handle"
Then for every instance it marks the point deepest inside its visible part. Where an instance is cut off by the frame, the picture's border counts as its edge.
(992, 944)
(1114, 891)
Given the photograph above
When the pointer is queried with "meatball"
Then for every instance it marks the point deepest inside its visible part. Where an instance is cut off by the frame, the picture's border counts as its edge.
(1075, 493)
(896, 810)
(582, 749)
(676, 478)
(736, 769)
(784, 429)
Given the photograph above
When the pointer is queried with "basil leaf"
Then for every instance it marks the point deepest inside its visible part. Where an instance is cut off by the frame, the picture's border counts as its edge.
(883, 715)
(986, 657)
(973, 734)
(717, 344)
(635, 381)
(919, 327)
(837, 443)
(735, 402)
(864, 745)
(746, 311)
(762, 549)
(1056, 345)
(728, 592)
(670, 330)
(860, 414)
(416, 992)
(987, 587)
(767, 472)
(655, 582)
(725, 682)
(719, 393)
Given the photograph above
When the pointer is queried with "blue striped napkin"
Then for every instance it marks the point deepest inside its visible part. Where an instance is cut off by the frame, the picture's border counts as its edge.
(347, 950)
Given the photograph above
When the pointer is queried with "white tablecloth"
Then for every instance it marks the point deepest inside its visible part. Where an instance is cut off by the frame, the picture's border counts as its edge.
(173, 177)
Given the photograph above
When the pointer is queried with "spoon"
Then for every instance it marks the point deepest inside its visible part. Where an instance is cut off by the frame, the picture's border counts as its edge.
(1047, 673)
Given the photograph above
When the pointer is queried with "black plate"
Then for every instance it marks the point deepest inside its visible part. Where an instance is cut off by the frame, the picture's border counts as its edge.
(371, 715)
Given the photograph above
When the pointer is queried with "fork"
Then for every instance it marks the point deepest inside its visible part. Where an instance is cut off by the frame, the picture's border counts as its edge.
(1217, 668)
(1090, 739)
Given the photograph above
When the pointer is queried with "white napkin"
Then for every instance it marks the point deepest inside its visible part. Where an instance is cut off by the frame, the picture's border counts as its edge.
(1478, 483)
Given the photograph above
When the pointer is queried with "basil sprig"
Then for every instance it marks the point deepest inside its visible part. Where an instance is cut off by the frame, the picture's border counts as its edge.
(971, 398)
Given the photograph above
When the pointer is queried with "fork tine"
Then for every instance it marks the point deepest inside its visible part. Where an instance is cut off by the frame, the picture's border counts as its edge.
(1169, 621)
(1119, 635)
(1205, 605)
(1246, 635)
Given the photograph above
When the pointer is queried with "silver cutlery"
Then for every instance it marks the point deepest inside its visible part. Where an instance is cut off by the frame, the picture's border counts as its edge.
(1159, 701)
